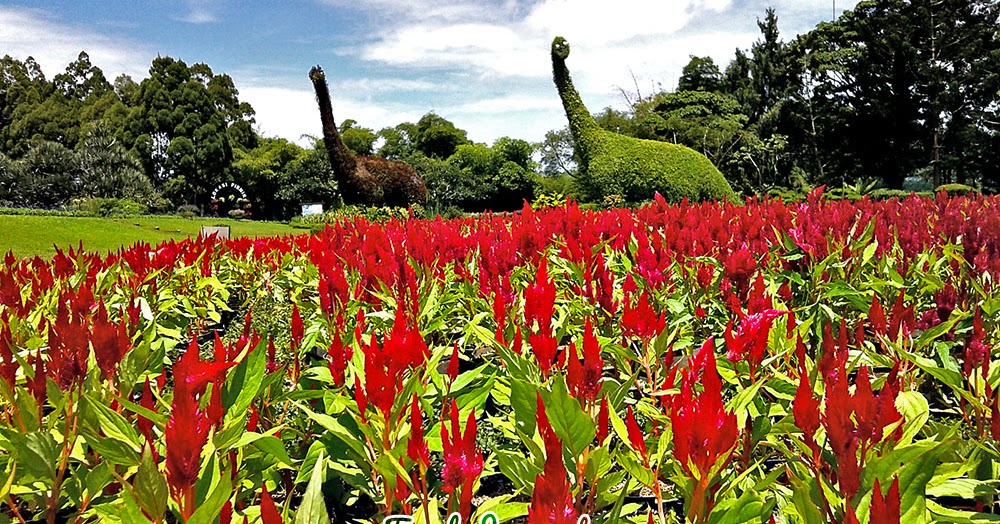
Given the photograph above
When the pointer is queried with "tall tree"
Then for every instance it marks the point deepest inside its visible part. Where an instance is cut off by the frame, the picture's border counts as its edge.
(700, 74)
(180, 127)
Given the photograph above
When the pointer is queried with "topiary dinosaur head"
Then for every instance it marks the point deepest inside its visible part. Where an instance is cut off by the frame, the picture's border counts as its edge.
(316, 73)
(560, 48)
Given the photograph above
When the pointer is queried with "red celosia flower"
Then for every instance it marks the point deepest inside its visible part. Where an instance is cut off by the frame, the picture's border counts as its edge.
(8, 364)
(635, 436)
(704, 433)
(750, 340)
(453, 363)
(110, 341)
(149, 402)
(36, 384)
(995, 418)
(416, 447)
(865, 408)
(463, 462)
(603, 421)
(805, 408)
(360, 398)
(340, 355)
(269, 513)
(876, 316)
(641, 320)
(272, 364)
(551, 500)
(584, 379)
(977, 352)
(187, 430)
(298, 331)
(885, 509)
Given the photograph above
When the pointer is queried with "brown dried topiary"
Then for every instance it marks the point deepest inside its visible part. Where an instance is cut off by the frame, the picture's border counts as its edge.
(364, 180)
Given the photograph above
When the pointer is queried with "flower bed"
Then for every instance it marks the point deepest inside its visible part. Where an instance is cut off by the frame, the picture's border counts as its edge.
(816, 362)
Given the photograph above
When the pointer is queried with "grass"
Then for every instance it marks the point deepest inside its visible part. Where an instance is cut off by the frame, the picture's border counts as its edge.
(27, 236)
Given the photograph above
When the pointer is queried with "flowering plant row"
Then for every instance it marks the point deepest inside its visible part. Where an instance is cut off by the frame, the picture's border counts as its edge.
(710, 363)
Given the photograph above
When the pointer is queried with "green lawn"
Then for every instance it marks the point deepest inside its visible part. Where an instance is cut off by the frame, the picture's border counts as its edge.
(28, 236)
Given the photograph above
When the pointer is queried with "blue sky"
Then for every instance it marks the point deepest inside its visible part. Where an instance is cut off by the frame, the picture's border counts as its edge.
(481, 64)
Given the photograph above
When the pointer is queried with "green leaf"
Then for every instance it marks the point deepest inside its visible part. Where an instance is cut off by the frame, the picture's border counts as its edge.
(915, 410)
(354, 441)
(273, 446)
(747, 508)
(313, 509)
(943, 514)
(209, 510)
(151, 487)
(803, 500)
(519, 469)
(36, 452)
(574, 427)
(243, 383)
(525, 403)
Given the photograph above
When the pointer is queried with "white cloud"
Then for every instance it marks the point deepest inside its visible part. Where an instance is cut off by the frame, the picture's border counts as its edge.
(294, 114)
(54, 44)
(199, 12)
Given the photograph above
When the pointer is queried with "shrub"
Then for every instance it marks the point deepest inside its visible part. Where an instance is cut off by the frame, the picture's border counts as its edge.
(956, 189)
(237, 214)
(107, 207)
(547, 200)
(188, 211)
(886, 194)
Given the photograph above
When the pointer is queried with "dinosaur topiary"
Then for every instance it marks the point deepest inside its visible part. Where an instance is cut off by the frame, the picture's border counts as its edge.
(364, 180)
(613, 164)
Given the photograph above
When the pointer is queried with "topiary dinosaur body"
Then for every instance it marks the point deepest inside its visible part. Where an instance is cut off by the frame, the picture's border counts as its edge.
(364, 180)
(613, 164)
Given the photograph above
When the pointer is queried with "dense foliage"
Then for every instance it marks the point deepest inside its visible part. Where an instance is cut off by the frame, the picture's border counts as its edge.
(816, 362)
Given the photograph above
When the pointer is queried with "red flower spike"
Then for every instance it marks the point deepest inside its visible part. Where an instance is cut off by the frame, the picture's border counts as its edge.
(704, 432)
(750, 340)
(551, 500)
(463, 462)
(865, 409)
(359, 398)
(298, 331)
(885, 509)
(805, 407)
(272, 364)
(340, 355)
(876, 317)
(8, 364)
(110, 342)
(416, 447)
(269, 513)
(603, 422)
(219, 352)
(635, 436)
(453, 363)
(253, 420)
(995, 418)
(149, 402)
(226, 515)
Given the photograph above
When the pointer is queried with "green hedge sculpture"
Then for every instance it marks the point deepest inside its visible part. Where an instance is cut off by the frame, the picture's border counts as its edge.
(613, 164)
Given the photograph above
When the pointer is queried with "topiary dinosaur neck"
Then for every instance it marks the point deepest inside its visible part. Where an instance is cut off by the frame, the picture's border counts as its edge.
(581, 124)
(341, 158)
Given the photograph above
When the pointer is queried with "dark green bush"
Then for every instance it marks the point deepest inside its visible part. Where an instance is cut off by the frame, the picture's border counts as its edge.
(401, 185)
